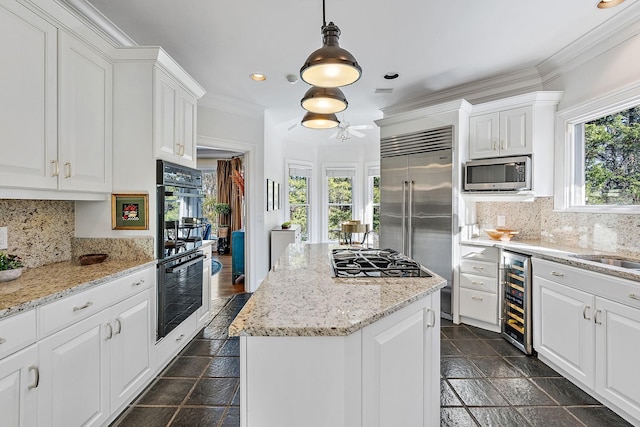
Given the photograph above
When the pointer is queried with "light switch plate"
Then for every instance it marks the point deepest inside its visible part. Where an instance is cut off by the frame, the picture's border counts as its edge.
(501, 221)
(4, 241)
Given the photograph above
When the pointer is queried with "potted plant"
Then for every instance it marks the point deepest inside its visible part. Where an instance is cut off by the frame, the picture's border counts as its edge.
(285, 225)
(10, 267)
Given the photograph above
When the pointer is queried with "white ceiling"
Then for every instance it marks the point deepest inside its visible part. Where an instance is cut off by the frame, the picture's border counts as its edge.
(433, 45)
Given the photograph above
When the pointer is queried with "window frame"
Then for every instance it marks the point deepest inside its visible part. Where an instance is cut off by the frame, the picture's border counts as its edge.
(288, 164)
(369, 172)
(566, 165)
(356, 194)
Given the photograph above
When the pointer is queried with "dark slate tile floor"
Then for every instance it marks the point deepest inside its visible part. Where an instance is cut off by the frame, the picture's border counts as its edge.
(200, 386)
(485, 381)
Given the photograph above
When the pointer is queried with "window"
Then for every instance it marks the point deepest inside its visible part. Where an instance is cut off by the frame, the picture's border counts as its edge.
(598, 155)
(372, 210)
(339, 199)
(608, 159)
(299, 212)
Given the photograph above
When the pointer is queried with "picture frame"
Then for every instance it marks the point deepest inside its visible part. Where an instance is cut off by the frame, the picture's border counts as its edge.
(269, 195)
(129, 211)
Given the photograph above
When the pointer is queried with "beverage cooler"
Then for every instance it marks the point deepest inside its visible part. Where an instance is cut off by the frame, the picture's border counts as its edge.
(516, 300)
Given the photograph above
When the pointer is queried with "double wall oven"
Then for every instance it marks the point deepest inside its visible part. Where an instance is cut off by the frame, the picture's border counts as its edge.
(180, 261)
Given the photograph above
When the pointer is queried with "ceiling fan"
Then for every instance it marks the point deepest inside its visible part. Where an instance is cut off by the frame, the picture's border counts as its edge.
(345, 130)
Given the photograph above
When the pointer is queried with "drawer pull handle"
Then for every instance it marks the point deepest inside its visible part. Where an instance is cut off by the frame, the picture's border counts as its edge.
(595, 317)
(431, 318)
(110, 335)
(119, 323)
(3, 340)
(36, 380)
(138, 283)
(475, 267)
(477, 298)
(180, 338)
(555, 273)
(83, 306)
(584, 312)
(634, 296)
(477, 283)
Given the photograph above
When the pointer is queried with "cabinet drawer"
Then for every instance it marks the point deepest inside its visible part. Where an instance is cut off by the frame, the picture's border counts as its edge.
(481, 268)
(479, 305)
(67, 311)
(17, 332)
(479, 283)
(610, 287)
(170, 345)
(481, 253)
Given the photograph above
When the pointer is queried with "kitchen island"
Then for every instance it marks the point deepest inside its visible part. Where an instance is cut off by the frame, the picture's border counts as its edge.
(322, 351)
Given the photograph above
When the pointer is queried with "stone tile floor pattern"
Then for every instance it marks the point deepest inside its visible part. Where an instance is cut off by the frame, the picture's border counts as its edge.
(200, 386)
(485, 381)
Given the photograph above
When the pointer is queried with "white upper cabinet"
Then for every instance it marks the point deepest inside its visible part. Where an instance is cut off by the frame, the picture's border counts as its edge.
(86, 93)
(174, 120)
(55, 109)
(28, 105)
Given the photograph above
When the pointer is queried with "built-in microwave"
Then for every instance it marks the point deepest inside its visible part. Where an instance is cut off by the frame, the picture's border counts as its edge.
(498, 174)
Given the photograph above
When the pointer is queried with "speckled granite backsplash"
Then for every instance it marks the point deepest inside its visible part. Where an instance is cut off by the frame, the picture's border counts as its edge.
(536, 220)
(40, 231)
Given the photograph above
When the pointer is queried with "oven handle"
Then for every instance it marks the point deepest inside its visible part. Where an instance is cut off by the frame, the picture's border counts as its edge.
(185, 264)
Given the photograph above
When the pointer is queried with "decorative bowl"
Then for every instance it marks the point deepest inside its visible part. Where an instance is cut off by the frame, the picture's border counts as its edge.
(503, 234)
(89, 259)
(8, 275)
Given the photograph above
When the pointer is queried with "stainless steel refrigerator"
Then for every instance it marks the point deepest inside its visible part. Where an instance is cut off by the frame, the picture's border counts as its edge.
(416, 216)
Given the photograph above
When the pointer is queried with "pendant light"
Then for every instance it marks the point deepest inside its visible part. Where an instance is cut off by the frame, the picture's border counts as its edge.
(325, 100)
(330, 66)
(319, 121)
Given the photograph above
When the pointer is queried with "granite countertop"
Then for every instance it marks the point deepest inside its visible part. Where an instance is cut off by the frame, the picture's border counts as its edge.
(50, 282)
(299, 297)
(562, 254)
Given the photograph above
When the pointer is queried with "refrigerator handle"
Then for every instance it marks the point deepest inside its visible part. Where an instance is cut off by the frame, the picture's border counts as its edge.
(410, 216)
(404, 215)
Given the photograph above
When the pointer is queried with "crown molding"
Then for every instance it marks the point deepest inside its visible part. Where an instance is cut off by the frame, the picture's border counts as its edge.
(98, 22)
(611, 33)
(457, 105)
(515, 83)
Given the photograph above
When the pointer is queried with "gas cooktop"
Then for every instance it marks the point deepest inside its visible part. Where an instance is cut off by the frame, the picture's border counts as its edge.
(356, 262)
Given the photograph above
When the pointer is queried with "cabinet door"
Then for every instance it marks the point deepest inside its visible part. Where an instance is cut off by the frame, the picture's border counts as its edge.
(130, 347)
(617, 349)
(85, 117)
(516, 131)
(187, 127)
(75, 367)
(484, 133)
(28, 104)
(563, 329)
(164, 117)
(398, 368)
(19, 388)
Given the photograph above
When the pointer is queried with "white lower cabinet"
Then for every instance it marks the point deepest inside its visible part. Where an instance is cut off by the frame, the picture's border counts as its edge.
(19, 388)
(95, 366)
(582, 332)
(399, 370)
(384, 375)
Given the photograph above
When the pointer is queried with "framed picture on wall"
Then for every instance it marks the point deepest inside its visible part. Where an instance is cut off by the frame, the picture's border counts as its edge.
(130, 211)
(276, 195)
(269, 195)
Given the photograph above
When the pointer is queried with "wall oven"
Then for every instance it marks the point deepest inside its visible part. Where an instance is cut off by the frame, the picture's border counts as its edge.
(180, 262)
(516, 300)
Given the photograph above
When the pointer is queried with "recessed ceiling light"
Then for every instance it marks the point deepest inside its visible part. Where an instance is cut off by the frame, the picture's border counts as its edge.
(606, 4)
(391, 76)
(258, 77)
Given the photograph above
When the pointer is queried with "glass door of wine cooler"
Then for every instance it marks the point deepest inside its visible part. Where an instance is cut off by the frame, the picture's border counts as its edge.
(516, 306)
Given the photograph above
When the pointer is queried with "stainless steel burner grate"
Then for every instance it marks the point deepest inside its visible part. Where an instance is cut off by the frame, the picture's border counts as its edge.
(354, 262)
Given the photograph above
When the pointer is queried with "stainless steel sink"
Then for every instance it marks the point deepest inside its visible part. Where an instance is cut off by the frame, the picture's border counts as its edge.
(613, 260)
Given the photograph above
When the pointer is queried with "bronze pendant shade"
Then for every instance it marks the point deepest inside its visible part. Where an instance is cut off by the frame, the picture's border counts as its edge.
(324, 100)
(320, 121)
(330, 66)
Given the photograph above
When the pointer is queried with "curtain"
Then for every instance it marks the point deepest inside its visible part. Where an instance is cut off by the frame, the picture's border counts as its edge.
(229, 192)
